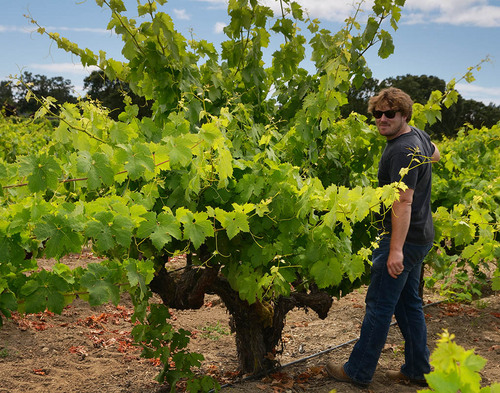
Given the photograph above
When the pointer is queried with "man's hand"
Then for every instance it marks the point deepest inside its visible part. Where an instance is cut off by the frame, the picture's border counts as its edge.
(395, 263)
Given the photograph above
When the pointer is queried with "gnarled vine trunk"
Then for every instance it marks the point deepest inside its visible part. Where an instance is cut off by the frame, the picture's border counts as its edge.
(258, 327)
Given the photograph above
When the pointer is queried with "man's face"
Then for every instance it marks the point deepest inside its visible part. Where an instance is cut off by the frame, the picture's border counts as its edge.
(390, 127)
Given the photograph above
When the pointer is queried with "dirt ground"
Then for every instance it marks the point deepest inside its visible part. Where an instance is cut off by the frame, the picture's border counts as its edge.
(89, 349)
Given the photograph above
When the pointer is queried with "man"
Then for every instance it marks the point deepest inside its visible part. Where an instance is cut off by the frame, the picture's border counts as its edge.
(407, 234)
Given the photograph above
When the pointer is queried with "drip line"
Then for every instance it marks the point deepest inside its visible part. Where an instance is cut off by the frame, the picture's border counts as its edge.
(330, 349)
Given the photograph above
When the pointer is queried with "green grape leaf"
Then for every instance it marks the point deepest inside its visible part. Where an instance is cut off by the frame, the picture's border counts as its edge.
(110, 229)
(250, 185)
(327, 272)
(147, 225)
(97, 168)
(444, 383)
(370, 30)
(42, 172)
(167, 225)
(236, 221)
(3, 169)
(197, 226)
(99, 281)
(137, 160)
(140, 273)
(61, 236)
(224, 166)
(122, 230)
(180, 153)
(122, 133)
(354, 268)
(246, 281)
(210, 133)
(387, 46)
(44, 291)
(160, 229)
(100, 230)
(8, 303)
(463, 232)
(177, 126)
(11, 251)
(35, 300)
(495, 285)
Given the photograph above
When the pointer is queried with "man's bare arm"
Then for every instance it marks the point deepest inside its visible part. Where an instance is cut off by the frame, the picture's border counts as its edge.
(436, 156)
(400, 219)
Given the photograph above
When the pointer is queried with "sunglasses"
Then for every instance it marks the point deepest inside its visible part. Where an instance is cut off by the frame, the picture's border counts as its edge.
(389, 114)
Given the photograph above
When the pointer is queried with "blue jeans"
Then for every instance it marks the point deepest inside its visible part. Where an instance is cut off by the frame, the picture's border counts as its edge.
(386, 297)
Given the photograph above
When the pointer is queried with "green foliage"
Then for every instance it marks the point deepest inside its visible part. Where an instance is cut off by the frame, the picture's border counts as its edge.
(154, 332)
(19, 137)
(456, 369)
(466, 193)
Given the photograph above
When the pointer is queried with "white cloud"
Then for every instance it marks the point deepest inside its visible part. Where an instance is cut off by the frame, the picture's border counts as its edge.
(336, 11)
(218, 4)
(219, 27)
(481, 13)
(486, 95)
(32, 29)
(416, 18)
(181, 14)
(442, 5)
(487, 16)
(16, 29)
(63, 68)
(78, 29)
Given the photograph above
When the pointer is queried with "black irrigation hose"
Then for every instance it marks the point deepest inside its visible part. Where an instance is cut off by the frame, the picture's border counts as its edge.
(250, 377)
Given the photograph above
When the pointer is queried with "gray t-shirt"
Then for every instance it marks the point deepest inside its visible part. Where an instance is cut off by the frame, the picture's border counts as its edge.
(403, 152)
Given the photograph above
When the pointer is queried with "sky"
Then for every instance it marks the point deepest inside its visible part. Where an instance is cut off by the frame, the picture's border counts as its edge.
(441, 38)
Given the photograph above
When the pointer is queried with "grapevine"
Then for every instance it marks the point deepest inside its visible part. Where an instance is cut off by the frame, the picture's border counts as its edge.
(466, 190)
(456, 369)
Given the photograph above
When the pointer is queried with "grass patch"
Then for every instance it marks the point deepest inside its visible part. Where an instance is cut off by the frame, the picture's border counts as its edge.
(214, 331)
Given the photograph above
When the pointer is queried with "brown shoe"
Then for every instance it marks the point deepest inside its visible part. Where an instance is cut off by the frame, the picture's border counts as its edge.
(337, 372)
(399, 377)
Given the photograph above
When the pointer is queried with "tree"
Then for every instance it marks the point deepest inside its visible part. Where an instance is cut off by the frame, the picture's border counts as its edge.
(6, 94)
(111, 93)
(7, 98)
(479, 115)
(358, 97)
(42, 86)
(418, 87)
